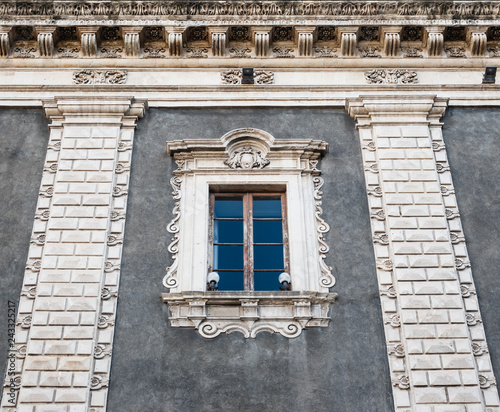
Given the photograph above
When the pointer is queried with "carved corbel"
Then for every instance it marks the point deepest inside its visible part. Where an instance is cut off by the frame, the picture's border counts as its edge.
(175, 40)
(218, 35)
(5, 41)
(476, 39)
(88, 36)
(260, 38)
(348, 41)
(305, 40)
(45, 40)
(132, 41)
(435, 41)
(392, 41)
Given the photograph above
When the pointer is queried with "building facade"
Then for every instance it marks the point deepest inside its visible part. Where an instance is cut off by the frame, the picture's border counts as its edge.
(374, 125)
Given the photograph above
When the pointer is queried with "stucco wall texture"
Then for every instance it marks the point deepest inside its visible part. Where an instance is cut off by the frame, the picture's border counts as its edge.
(472, 138)
(159, 368)
(23, 143)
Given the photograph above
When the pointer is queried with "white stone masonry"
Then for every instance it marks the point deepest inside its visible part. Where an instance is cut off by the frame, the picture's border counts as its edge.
(66, 312)
(435, 339)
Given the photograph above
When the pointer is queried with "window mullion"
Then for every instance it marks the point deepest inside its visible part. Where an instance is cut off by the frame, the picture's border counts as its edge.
(248, 240)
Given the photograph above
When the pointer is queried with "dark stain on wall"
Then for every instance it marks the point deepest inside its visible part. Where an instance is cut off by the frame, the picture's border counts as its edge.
(158, 368)
(23, 143)
(472, 137)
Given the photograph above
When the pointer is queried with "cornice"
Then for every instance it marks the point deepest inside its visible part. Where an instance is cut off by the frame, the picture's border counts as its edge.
(284, 9)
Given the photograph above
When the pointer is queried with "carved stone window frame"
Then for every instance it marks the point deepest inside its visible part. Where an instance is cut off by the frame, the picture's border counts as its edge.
(251, 159)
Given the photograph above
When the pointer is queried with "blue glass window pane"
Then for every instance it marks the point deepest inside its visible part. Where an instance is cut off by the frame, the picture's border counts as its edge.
(268, 257)
(267, 231)
(228, 208)
(228, 257)
(267, 281)
(267, 208)
(228, 231)
(231, 281)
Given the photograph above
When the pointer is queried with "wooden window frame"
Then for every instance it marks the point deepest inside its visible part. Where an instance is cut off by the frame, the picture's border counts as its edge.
(248, 243)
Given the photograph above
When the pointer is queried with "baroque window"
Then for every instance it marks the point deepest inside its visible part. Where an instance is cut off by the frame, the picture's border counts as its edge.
(248, 207)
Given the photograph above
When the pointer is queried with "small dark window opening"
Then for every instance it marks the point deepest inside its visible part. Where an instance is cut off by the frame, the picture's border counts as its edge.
(248, 240)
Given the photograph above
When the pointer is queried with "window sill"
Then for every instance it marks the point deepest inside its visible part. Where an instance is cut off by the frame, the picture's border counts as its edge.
(213, 313)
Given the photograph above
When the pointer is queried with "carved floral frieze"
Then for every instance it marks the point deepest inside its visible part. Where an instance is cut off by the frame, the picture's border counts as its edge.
(249, 8)
(398, 76)
(99, 77)
(234, 76)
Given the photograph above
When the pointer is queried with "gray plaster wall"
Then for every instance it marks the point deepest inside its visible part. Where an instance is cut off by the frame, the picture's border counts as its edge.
(159, 368)
(472, 138)
(23, 143)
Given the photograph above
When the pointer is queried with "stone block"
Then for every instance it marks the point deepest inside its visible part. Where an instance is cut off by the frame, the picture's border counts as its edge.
(415, 302)
(430, 395)
(451, 331)
(432, 316)
(424, 362)
(444, 378)
(36, 395)
(55, 379)
(45, 332)
(40, 363)
(50, 303)
(438, 346)
(464, 395)
(71, 395)
(75, 363)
